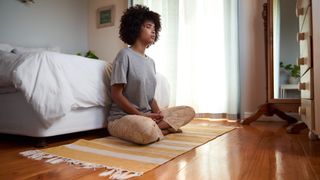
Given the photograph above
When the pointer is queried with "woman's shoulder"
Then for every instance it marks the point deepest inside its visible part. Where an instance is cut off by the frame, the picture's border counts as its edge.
(122, 54)
(124, 51)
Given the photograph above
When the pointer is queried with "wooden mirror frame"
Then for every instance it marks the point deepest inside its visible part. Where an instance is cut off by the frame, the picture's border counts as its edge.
(272, 106)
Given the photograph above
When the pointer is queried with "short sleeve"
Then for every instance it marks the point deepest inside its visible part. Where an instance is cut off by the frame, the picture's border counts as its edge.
(154, 66)
(119, 69)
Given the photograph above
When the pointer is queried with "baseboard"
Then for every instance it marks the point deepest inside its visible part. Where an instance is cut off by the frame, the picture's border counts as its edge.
(243, 116)
(218, 116)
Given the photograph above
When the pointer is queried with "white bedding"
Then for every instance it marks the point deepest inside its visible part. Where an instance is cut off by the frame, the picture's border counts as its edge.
(55, 84)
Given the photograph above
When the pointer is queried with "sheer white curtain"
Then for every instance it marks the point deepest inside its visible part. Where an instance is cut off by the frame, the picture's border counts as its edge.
(198, 53)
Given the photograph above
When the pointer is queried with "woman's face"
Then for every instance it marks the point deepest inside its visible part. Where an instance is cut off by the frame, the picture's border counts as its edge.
(147, 33)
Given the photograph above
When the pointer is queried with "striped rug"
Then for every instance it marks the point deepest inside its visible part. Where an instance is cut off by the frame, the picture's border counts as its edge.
(123, 159)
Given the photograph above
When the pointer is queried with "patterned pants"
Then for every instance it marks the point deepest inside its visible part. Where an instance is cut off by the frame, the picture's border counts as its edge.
(143, 130)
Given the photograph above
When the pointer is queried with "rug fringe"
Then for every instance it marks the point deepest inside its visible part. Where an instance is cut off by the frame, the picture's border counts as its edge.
(107, 173)
(114, 173)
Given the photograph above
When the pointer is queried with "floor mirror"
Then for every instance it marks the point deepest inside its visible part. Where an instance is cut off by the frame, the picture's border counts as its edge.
(281, 26)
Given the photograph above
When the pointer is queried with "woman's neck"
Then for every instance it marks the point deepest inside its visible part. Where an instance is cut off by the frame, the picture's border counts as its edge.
(139, 47)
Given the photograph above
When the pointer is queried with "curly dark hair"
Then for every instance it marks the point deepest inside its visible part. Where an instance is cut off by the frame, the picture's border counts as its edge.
(132, 20)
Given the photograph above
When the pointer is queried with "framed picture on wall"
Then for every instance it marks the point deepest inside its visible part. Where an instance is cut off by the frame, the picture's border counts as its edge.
(105, 16)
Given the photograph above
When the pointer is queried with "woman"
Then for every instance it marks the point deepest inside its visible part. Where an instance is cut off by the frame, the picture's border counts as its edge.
(134, 114)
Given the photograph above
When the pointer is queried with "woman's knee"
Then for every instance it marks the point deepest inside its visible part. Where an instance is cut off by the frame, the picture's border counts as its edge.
(137, 129)
(188, 112)
(191, 111)
(149, 133)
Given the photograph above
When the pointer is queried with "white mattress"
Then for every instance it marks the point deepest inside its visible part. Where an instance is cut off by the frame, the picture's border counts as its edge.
(18, 117)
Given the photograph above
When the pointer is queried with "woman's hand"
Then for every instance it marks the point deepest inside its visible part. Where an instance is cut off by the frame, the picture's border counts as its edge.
(157, 117)
(160, 114)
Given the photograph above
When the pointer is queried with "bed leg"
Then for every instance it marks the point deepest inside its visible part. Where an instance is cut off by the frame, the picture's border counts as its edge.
(41, 142)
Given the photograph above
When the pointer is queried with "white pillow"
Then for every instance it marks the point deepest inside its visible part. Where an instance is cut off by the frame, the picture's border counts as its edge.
(162, 92)
(8, 62)
(21, 50)
(6, 47)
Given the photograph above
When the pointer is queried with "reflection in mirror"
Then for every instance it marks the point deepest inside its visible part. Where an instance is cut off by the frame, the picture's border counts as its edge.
(286, 73)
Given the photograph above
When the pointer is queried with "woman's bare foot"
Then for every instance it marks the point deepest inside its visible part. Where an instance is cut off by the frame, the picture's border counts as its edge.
(171, 130)
(167, 129)
(163, 125)
(165, 132)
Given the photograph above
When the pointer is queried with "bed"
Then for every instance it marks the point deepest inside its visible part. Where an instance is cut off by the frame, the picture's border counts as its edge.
(44, 93)
(18, 117)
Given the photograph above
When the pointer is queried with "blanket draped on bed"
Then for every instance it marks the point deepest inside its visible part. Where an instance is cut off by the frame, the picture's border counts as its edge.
(56, 83)
(123, 159)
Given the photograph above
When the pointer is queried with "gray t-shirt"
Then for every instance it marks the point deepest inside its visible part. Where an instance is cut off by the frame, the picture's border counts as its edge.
(139, 76)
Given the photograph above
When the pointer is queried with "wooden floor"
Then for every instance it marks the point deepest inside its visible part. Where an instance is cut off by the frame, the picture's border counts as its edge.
(262, 150)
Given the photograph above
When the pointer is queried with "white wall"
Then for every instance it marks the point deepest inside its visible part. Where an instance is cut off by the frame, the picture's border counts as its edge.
(252, 55)
(105, 42)
(46, 23)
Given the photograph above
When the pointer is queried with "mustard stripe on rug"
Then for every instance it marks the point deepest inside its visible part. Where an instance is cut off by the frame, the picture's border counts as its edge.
(123, 159)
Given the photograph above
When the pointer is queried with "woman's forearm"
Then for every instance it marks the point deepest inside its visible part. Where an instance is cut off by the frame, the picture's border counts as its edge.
(154, 106)
(123, 102)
